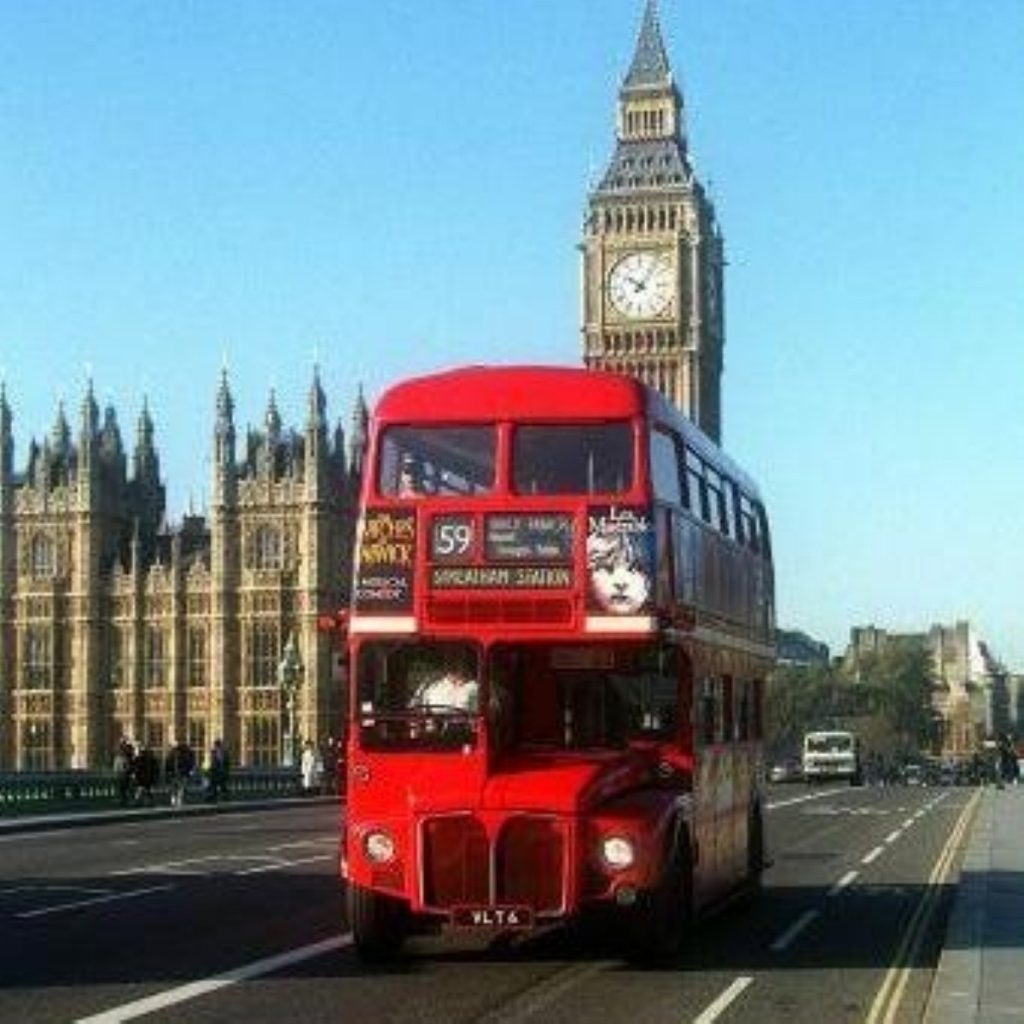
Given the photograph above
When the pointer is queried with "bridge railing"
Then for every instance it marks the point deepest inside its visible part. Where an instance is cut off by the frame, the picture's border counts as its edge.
(42, 792)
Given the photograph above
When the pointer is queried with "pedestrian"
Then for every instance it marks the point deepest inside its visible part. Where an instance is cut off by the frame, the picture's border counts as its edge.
(220, 769)
(124, 770)
(147, 774)
(1008, 769)
(329, 756)
(178, 767)
(308, 767)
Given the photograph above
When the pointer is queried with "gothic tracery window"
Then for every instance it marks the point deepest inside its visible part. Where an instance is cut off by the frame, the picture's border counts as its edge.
(155, 665)
(267, 548)
(38, 670)
(41, 556)
(263, 651)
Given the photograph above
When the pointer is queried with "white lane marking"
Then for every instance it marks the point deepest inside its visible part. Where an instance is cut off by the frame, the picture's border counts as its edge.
(892, 836)
(843, 882)
(873, 855)
(109, 898)
(719, 1006)
(180, 867)
(908, 822)
(803, 799)
(263, 868)
(52, 888)
(319, 841)
(786, 938)
(194, 989)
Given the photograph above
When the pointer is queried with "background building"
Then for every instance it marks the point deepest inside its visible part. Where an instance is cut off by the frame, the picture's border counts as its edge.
(113, 624)
(794, 647)
(652, 252)
(973, 694)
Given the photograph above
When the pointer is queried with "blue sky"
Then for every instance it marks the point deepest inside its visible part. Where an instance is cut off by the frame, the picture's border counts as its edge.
(392, 186)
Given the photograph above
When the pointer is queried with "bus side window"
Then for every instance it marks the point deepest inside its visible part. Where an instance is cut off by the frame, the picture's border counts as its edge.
(742, 710)
(665, 468)
(730, 527)
(748, 524)
(757, 709)
(708, 712)
(696, 496)
(728, 711)
(762, 523)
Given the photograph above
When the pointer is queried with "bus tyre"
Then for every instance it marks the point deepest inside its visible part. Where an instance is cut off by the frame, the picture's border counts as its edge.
(663, 916)
(378, 924)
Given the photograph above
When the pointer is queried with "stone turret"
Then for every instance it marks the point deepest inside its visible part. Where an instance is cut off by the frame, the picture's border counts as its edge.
(359, 438)
(225, 476)
(7, 575)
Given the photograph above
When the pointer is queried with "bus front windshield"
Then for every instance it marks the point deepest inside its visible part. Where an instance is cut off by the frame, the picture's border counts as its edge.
(829, 743)
(418, 696)
(562, 697)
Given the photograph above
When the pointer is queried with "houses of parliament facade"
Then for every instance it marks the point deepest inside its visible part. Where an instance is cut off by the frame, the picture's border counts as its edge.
(113, 625)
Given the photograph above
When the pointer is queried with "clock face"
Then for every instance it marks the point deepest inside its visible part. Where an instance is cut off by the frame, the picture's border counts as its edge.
(640, 285)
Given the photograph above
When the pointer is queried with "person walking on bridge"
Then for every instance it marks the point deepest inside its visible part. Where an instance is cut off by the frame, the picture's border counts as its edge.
(178, 767)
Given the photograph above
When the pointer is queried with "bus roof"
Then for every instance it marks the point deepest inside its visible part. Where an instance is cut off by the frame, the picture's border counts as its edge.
(543, 393)
(488, 393)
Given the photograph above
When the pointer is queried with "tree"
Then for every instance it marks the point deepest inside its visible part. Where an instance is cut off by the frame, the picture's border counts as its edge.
(885, 699)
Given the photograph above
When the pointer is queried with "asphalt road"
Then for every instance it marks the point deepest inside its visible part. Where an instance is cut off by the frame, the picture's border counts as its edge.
(239, 918)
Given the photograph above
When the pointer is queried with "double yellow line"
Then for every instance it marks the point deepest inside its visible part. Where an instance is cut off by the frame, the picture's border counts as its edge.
(890, 995)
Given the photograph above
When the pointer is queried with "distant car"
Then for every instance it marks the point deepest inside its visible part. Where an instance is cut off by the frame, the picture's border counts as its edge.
(786, 771)
(913, 775)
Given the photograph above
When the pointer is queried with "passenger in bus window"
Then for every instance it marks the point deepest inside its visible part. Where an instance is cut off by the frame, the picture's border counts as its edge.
(409, 483)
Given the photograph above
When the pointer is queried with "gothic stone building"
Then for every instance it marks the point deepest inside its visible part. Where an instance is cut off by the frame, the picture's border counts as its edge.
(114, 625)
(652, 252)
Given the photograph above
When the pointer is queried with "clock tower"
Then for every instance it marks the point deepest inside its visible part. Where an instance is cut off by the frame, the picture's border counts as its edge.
(652, 252)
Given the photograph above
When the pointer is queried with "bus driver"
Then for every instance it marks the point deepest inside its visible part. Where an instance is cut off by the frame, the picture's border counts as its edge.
(453, 690)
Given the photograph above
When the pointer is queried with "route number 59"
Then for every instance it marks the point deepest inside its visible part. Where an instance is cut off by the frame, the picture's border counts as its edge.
(453, 537)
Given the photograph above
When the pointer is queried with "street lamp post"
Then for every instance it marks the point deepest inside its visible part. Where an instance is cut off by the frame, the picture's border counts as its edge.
(289, 672)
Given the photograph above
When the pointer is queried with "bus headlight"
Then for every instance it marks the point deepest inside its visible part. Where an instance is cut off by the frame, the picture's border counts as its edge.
(379, 847)
(618, 852)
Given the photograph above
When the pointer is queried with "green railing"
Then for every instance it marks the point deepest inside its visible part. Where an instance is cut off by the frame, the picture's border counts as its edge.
(46, 792)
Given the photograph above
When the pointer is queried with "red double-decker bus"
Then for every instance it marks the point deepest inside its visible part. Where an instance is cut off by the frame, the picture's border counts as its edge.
(561, 624)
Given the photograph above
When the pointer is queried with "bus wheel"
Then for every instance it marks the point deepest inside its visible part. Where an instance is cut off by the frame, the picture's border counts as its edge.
(663, 917)
(378, 924)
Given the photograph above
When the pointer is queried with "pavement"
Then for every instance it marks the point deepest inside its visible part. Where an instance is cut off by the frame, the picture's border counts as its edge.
(980, 976)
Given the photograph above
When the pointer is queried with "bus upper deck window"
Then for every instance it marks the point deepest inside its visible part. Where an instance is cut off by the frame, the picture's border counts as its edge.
(428, 460)
(573, 459)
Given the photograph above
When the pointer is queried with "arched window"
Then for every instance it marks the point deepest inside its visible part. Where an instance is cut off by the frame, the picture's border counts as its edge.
(38, 668)
(196, 656)
(41, 560)
(155, 664)
(263, 652)
(267, 548)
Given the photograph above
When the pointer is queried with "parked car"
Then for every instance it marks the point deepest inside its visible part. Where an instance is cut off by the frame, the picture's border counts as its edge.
(789, 770)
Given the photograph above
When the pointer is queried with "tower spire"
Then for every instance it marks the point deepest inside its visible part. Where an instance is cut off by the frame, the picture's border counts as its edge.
(650, 65)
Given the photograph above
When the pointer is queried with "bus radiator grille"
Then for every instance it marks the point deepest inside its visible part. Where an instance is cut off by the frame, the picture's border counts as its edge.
(528, 859)
(456, 862)
(530, 868)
